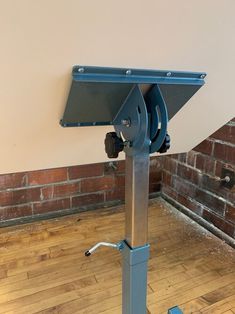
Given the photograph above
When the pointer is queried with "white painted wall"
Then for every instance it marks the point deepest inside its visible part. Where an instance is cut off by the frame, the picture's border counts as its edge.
(41, 40)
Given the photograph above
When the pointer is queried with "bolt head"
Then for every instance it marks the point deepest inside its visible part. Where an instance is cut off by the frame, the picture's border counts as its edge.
(126, 122)
(127, 144)
(81, 70)
(128, 72)
(168, 74)
(227, 179)
(202, 76)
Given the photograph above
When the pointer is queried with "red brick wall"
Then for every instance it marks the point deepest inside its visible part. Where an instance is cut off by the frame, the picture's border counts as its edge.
(66, 189)
(190, 179)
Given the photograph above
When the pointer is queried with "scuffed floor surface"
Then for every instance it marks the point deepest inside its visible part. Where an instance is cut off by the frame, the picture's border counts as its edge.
(43, 268)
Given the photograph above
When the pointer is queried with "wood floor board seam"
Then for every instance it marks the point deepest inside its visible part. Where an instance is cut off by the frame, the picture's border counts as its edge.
(43, 268)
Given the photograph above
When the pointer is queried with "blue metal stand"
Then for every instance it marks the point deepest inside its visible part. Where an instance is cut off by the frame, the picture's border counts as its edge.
(138, 103)
(175, 310)
(134, 279)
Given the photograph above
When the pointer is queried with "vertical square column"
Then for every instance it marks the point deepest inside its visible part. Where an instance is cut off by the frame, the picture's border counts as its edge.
(136, 199)
(134, 279)
(136, 249)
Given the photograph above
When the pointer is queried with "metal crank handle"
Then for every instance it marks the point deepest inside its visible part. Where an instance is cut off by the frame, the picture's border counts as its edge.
(117, 246)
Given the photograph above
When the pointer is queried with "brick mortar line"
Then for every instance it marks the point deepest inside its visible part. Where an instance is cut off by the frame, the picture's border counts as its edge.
(59, 183)
(204, 155)
(200, 188)
(28, 187)
(34, 202)
(213, 148)
(203, 206)
(184, 164)
(18, 205)
(195, 201)
(206, 191)
(223, 142)
(209, 139)
(196, 169)
(52, 199)
(62, 198)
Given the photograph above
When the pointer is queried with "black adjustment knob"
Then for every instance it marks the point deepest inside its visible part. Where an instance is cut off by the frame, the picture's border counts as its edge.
(166, 145)
(113, 145)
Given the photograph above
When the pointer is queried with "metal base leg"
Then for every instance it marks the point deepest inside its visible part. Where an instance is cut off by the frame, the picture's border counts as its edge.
(134, 279)
(175, 310)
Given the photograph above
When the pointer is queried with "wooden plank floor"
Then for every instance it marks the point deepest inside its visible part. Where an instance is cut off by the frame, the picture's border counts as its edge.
(43, 268)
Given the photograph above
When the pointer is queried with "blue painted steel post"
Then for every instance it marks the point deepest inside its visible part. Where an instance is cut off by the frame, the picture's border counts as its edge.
(175, 310)
(134, 279)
